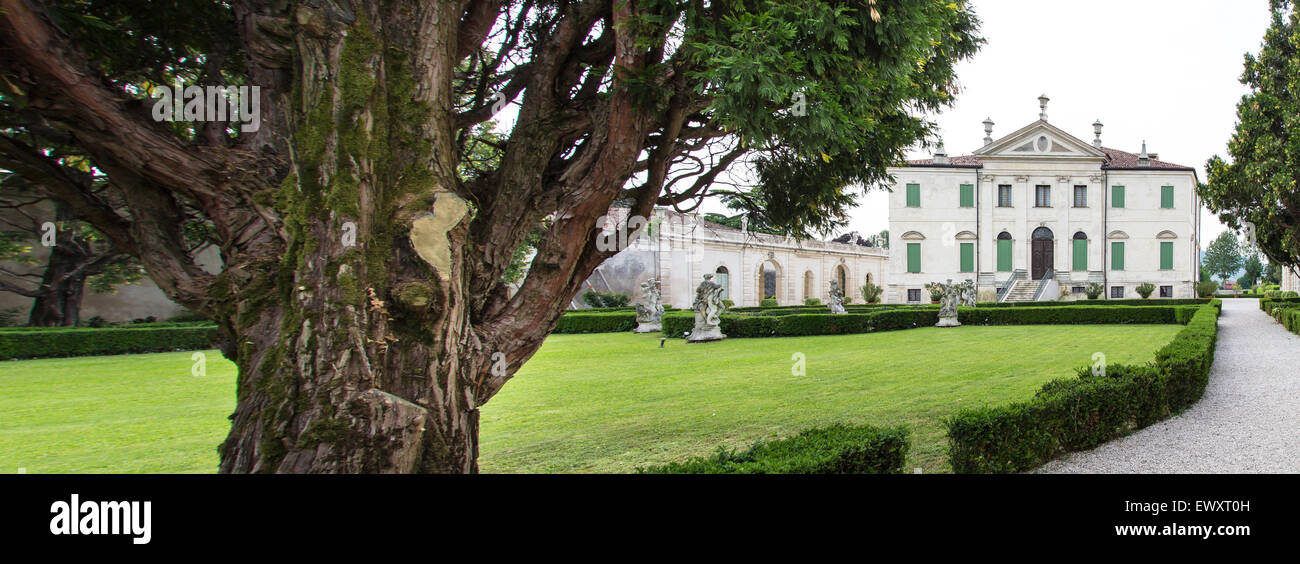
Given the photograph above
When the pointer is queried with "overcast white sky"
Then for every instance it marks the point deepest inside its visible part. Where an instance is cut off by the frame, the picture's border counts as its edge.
(1161, 70)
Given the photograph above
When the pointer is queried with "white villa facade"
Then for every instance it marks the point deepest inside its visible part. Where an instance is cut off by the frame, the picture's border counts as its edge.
(1039, 213)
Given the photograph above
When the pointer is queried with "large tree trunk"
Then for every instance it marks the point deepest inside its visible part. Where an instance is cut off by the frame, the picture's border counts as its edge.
(61, 291)
(361, 358)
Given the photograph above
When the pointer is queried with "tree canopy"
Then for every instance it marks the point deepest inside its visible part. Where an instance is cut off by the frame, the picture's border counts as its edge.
(1258, 189)
(1223, 256)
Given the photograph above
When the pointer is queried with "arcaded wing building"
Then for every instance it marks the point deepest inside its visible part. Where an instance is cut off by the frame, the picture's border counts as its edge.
(1039, 213)
(680, 248)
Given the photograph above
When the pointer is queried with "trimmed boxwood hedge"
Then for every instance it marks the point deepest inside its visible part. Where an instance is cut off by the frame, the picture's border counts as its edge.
(677, 324)
(70, 341)
(838, 449)
(611, 322)
(1083, 412)
(799, 324)
(1289, 316)
(1095, 303)
(1267, 304)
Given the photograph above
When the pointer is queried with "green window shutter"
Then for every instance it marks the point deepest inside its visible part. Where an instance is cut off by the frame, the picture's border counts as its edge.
(1080, 254)
(913, 195)
(1166, 255)
(968, 257)
(913, 257)
(1167, 197)
(1004, 255)
(1116, 196)
(1117, 255)
(967, 195)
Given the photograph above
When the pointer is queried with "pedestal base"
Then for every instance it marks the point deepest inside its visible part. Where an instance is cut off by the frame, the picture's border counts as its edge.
(705, 334)
(947, 322)
(648, 328)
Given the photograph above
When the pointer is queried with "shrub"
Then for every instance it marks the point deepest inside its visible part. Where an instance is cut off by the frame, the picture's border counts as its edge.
(728, 304)
(936, 291)
(838, 449)
(767, 302)
(1083, 412)
(1145, 289)
(871, 293)
(580, 321)
(97, 322)
(1206, 289)
(812, 302)
(76, 341)
(1094, 290)
(847, 300)
(598, 298)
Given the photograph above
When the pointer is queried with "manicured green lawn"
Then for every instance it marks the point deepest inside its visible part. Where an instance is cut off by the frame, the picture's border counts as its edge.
(611, 402)
(584, 403)
(114, 414)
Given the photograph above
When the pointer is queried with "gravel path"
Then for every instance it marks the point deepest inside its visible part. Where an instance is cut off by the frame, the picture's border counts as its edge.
(1247, 422)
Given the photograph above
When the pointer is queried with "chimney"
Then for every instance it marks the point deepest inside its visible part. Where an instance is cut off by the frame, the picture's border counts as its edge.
(988, 131)
(940, 155)
(1144, 159)
(1096, 129)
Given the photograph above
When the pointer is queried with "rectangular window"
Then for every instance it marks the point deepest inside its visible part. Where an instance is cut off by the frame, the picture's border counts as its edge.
(914, 295)
(913, 195)
(1080, 254)
(1004, 255)
(967, 196)
(1167, 197)
(1078, 290)
(1042, 196)
(1080, 196)
(1166, 291)
(1004, 195)
(1116, 196)
(1116, 292)
(913, 257)
(1166, 255)
(968, 257)
(1116, 255)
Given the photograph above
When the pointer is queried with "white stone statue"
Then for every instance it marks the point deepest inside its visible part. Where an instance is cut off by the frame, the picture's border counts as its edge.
(649, 315)
(708, 308)
(954, 295)
(837, 298)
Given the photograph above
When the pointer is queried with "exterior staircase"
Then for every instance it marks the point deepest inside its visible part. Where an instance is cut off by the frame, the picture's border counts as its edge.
(1023, 291)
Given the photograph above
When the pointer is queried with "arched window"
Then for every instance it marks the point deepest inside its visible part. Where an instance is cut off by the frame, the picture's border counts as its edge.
(723, 278)
(842, 276)
(1043, 233)
(1004, 236)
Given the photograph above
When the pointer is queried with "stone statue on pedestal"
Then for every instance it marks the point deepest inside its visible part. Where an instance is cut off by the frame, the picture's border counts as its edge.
(837, 298)
(650, 313)
(708, 308)
(954, 295)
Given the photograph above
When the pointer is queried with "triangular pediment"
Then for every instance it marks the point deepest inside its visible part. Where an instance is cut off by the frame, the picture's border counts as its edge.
(1041, 140)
